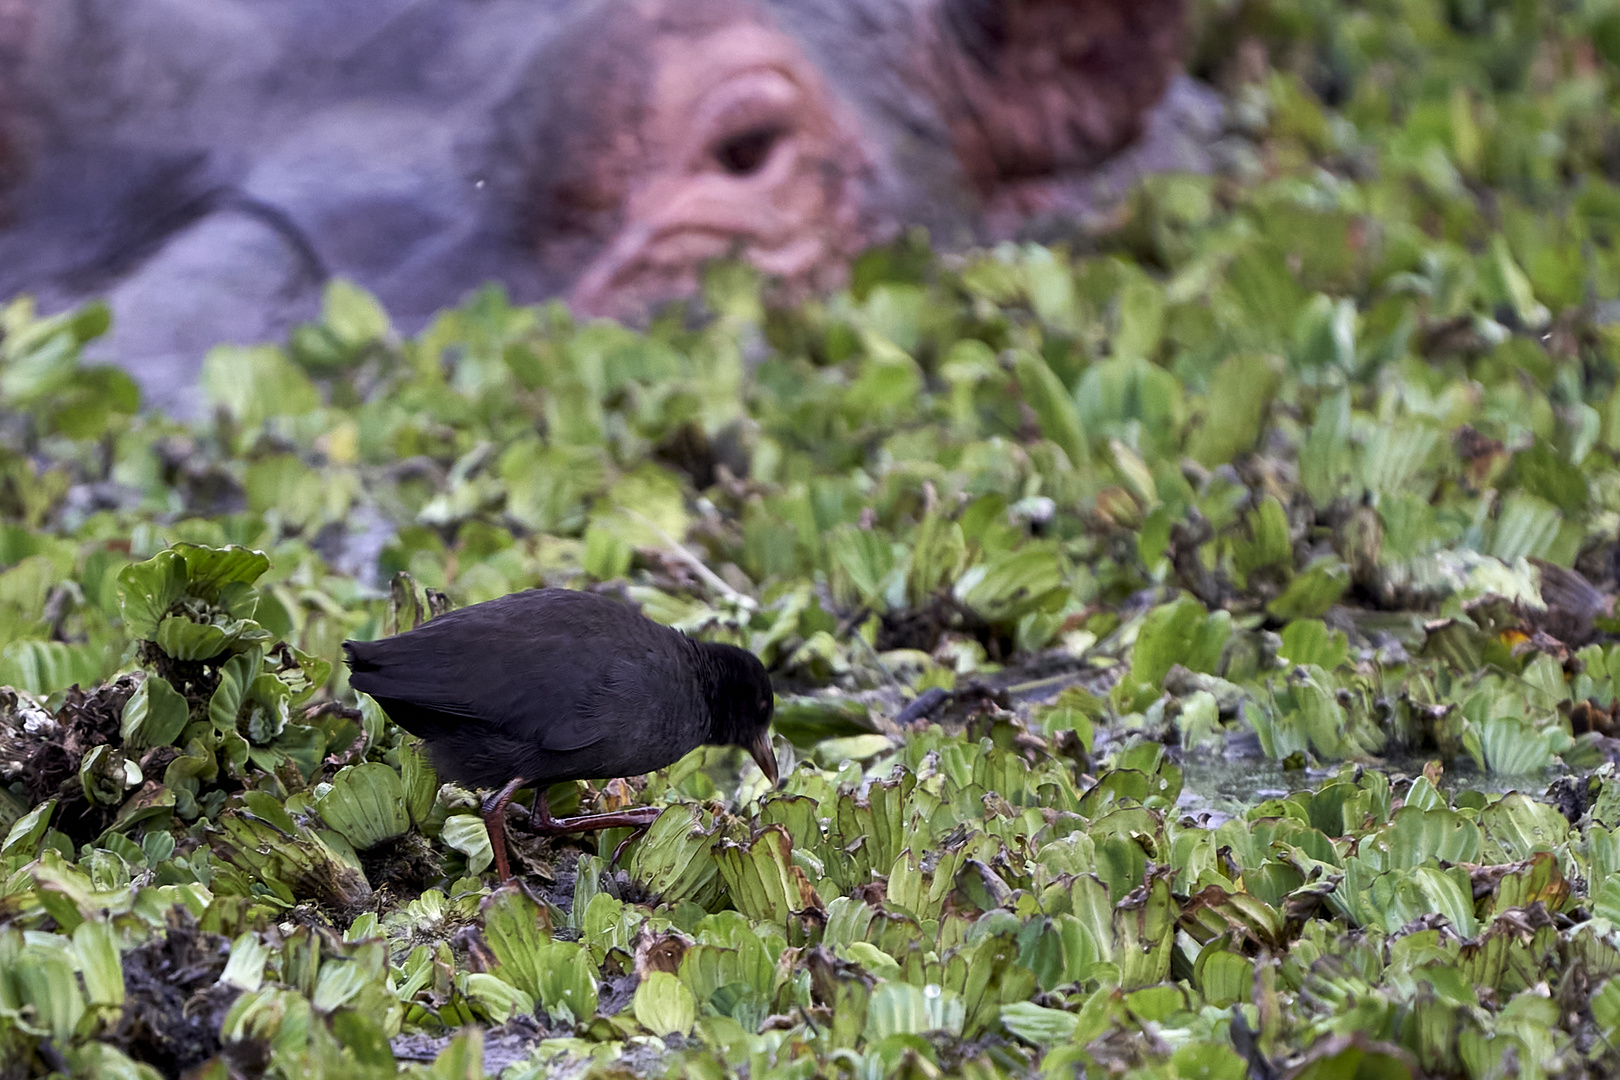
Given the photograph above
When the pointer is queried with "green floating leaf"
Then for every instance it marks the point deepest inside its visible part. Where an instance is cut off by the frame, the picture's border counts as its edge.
(337, 985)
(868, 834)
(237, 674)
(254, 384)
(245, 968)
(1208, 1061)
(467, 834)
(43, 981)
(1517, 827)
(866, 561)
(147, 590)
(1053, 405)
(558, 975)
(674, 860)
(366, 803)
(1309, 641)
(95, 947)
(1156, 1004)
(22, 839)
(922, 890)
(1605, 1006)
(1355, 1061)
(1327, 461)
(154, 715)
(1013, 584)
(1542, 470)
(302, 674)
(420, 781)
(1223, 977)
(806, 721)
(1395, 455)
(224, 575)
(1507, 745)
(1038, 1024)
(1405, 896)
(518, 936)
(1271, 544)
(938, 555)
(105, 773)
(193, 601)
(1311, 593)
(1181, 632)
(1144, 930)
(352, 314)
(743, 960)
(186, 640)
(898, 1008)
(664, 1006)
(831, 753)
(1234, 412)
(47, 667)
(607, 553)
(1416, 836)
(500, 999)
(1527, 526)
(269, 702)
(262, 840)
(1520, 294)
(548, 486)
(763, 880)
(797, 815)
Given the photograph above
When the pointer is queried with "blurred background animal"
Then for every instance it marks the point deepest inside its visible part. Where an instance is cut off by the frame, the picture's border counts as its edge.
(207, 165)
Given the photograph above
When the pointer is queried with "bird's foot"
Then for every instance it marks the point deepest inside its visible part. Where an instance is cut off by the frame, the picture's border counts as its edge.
(619, 849)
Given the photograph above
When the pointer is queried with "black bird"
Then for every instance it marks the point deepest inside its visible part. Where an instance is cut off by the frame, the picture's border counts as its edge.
(550, 685)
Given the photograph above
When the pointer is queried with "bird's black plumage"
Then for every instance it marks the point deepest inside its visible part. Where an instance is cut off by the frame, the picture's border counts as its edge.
(553, 685)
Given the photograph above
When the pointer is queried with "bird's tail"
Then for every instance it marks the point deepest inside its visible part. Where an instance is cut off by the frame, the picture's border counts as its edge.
(355, 654)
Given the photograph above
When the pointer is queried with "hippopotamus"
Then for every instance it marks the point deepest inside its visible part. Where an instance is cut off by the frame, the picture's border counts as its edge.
(207, 165)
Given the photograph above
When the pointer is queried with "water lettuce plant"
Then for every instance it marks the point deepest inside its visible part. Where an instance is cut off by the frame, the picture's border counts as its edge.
(1196, 641)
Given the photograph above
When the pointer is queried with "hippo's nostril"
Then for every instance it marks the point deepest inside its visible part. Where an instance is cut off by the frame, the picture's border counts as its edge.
(745, 153)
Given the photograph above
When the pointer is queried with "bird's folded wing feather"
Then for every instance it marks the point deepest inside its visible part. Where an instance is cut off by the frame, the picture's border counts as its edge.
(542, 684)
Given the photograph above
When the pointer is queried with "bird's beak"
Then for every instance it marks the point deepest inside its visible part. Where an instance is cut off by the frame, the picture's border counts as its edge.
(764, 755)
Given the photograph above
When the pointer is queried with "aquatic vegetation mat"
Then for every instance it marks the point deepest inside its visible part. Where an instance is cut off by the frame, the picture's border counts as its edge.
(1196, 643)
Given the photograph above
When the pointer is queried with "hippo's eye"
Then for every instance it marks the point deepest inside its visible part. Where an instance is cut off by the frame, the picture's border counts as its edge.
(745, 153)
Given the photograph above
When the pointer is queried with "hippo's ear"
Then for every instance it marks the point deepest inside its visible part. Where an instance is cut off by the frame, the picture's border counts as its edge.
(1032, 89)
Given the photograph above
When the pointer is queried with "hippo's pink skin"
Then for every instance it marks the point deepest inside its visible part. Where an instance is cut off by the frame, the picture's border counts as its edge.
(207, 164)
(741, 146)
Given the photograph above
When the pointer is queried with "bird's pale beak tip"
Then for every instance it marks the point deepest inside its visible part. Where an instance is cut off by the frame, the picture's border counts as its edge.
(764, 756)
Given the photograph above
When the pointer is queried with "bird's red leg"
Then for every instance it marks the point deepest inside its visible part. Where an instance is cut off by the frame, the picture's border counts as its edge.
(495, 822)
(638, 818)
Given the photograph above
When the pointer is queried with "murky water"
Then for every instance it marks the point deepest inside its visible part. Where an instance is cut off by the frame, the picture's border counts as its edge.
(1228, 788)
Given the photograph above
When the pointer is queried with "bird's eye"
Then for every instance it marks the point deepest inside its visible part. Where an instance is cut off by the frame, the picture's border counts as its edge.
(746, 153)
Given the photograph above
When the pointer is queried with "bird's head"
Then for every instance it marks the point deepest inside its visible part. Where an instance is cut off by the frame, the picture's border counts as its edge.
(741, 703)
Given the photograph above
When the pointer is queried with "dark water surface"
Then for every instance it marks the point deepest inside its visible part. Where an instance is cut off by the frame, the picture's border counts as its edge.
(1228, 788)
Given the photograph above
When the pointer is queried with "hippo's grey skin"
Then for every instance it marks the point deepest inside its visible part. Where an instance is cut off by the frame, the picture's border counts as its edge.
(208, 164)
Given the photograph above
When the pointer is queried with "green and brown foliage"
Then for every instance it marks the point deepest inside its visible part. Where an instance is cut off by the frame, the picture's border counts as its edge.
(1258, 559)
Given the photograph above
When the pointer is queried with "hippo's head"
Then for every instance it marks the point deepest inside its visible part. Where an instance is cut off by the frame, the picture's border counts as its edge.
(206, 164)
(655, 135)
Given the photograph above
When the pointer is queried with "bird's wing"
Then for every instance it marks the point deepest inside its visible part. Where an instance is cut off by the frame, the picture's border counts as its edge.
(535, 667)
